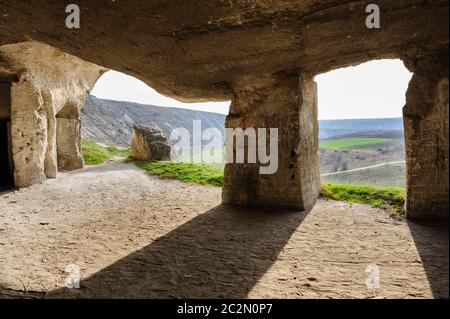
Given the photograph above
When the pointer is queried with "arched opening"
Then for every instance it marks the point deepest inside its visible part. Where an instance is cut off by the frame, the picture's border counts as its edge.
(119, 103)
(361, 124)
(68, 138)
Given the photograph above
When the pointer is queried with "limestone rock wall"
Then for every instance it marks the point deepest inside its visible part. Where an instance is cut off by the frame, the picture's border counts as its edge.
(68, 144)
(426, 117)
(193, 50)
(149, 144)
(286, 102)
(47, 80)
(29, 133)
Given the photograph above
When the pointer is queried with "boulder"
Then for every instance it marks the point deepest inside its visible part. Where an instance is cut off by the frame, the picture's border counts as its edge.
(149, 144)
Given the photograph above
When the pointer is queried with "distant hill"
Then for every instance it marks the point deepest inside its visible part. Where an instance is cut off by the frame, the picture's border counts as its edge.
(338, 128)
(111, 122)
(398, 134)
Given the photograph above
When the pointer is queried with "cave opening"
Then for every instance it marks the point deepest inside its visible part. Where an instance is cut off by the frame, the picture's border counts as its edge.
(119, 102)
(6, 172)
(6, 161)
(361, 124)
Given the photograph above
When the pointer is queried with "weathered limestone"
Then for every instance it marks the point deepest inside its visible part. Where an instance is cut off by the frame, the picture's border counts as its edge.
(68, 137)
(426, 117)
(29, 132)
(50, 163)
(287, 102)
(149, 144)
(193, 50)
(68, 142)
(48, 80)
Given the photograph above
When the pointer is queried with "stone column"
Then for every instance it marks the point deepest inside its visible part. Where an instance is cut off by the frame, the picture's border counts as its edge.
(51, 161)
(28, 133)
(68, 142)
(287, 102)
(427, 137)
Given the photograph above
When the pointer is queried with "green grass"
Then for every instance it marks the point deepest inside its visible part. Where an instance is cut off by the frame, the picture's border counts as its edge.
(119, 152)
(95, 155)
(391, 198)
(186, 172)
(347, 143)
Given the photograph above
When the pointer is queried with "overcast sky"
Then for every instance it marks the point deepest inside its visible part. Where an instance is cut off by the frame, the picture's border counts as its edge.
(371, 90)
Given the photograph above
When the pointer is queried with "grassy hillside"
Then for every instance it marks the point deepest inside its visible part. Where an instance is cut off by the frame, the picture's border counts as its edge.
(349, 143)
(391, 198)
(386, 175)
(111, 122)
(375, 151)
(340, 128)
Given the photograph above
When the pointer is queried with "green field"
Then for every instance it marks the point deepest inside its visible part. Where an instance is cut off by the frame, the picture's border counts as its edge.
(351, 142)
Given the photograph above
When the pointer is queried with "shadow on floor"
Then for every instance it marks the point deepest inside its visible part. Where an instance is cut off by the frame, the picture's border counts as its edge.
(219, 254)
(7, 293)
(432, 246)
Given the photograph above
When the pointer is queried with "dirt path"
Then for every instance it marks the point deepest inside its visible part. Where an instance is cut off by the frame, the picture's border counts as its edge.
(137, 236)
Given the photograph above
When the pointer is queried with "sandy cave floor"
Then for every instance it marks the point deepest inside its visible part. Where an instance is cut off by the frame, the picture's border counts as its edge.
(139, 236)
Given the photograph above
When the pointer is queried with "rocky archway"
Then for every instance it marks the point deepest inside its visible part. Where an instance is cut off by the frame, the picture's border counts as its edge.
(262, 54)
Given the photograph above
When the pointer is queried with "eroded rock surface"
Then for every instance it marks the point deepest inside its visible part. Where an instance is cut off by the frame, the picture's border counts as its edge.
(149, 144)
(193, 50)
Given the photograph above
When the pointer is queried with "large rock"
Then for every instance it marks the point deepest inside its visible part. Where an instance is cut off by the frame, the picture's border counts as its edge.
(149, 144)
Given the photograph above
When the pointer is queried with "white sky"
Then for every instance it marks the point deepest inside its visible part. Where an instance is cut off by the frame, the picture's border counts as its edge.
(121, 87)
(372, 90)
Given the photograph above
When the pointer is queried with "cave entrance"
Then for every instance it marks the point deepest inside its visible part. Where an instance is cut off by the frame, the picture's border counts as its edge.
(6, 161)
(361, 124)
(120, 102)
(6, 169)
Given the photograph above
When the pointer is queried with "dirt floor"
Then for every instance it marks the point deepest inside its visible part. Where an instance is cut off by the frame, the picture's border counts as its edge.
(137, 236)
